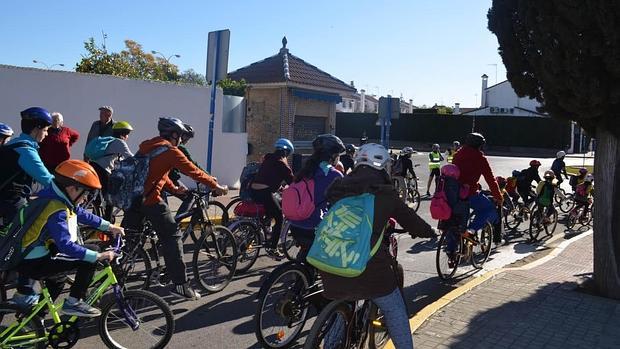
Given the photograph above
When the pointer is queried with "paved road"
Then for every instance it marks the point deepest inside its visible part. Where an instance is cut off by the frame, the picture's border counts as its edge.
(225, 319)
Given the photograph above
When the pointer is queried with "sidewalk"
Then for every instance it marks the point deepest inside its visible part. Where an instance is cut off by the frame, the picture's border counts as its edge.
(535, 306)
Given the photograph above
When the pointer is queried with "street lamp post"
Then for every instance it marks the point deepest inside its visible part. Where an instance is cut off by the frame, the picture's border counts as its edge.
(48, 66)
(164, 57)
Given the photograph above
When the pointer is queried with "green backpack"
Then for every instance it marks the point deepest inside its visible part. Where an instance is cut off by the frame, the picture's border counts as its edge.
(545, 198)
(342, 241)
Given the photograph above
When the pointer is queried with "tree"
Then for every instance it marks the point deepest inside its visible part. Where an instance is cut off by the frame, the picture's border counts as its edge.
(233, 87)
(565, 54)
(192, 77)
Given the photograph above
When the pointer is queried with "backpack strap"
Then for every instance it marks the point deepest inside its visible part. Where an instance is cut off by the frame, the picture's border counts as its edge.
(154, 153)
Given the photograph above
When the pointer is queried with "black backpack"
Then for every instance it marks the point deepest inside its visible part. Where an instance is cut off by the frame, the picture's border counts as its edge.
(11, 169)
(11, 239)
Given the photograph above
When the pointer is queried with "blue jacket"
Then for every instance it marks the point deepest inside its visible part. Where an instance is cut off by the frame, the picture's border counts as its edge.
(323, 177)
(30, 161)
(61, 227)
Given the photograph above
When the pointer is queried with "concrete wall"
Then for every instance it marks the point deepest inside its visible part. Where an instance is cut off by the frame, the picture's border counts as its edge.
(78, 96)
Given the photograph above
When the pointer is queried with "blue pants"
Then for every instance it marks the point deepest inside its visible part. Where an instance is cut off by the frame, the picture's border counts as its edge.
(484, 210)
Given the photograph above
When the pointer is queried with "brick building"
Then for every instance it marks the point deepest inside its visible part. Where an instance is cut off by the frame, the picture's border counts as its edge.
(288, 97)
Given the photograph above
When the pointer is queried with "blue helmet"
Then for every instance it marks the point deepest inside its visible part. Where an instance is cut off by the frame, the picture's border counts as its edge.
(285, 145)
(5, 130)
(38, 114)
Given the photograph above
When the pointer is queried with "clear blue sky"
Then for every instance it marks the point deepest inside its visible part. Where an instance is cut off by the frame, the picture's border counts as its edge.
(430, 51)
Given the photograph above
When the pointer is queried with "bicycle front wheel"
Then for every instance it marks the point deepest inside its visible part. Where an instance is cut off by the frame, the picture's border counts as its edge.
(331, 327)
(481, 250)
(378, 334)
(414, 199)
(217, 213)
(150, 314)
(536, 223)
(567, 204)
(215, 258)
(134, 270)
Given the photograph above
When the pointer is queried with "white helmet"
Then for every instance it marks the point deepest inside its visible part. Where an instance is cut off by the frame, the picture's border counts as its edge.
(560, 154)
(373, 155)
(406, 151)
(589, 178)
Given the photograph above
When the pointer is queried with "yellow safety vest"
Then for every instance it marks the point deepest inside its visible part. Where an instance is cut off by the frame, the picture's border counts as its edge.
(450, 156)
(435, 161)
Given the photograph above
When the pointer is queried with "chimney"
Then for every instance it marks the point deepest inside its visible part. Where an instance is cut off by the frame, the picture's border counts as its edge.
(457, 109)
(410, 106)
(483, 95)
(363, 101)
(352, 83)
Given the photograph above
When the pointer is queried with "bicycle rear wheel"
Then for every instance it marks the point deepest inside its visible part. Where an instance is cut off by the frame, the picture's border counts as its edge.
(536, 223)
(331, 328)
(9, 315)
(378, 334)
(289, 244)
(480, 251)
(567, 204)
(553, 222)
(231, 207)
(215, 258)
(217, 213)
(413, 196)
(152, 315)
(572, 218)
(446, 268)
(248, 239)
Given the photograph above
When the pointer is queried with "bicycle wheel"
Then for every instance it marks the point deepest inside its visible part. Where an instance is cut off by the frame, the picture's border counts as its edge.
(152, 315)
(378, 334)
(9, 315)
(231, 206)
(557, 198)
(289, 244)
(217, 213)
(512, 220)
(481, 250)
(414, 198)
(282, 311)
(444, 268)
(248, 239)
(567, 204)
(572, 218)
(331, 328)
(536, 224)
(134, 270)
(553, 222)
(215, 258)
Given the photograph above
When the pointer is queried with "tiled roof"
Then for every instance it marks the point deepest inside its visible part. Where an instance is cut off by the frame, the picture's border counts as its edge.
(285, 67)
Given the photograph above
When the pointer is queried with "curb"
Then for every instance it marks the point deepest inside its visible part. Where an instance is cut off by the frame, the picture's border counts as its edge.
(421, 316)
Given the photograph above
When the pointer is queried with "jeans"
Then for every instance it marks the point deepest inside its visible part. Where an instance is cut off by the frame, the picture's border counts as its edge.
(166, 228)
(272, 211)
(484, 210)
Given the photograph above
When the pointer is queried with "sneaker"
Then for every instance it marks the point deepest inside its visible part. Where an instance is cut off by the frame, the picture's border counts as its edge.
(25, 300)
(451, 260)
(274, 253)
(79, 308)
(185, 291)
(428, 193)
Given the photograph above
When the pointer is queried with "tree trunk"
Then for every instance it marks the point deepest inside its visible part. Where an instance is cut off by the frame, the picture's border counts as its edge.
(607, 214)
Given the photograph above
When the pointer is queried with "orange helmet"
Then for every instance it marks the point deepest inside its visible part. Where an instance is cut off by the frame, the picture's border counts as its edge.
(79, 173)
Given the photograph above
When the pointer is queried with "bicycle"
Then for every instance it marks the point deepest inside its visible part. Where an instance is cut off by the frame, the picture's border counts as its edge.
(351, 324)
(215, 243)
(568, 203)
(517, 213)
(542, 221)
(580, 213)
(409, 193)
(475, 247)
(127, 317)
(250, 228)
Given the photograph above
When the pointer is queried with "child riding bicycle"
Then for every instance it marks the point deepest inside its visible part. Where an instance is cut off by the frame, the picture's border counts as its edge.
(546, 191)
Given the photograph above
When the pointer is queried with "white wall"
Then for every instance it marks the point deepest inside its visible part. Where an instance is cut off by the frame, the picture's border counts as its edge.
(503, 95)
(78, 96)
(487, 112)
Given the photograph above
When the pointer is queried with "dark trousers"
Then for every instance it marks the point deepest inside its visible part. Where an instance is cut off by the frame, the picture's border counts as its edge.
(53, 272)
(8, 210)
(104, 176)
(273, 211)
(305, 238)
(166, 228)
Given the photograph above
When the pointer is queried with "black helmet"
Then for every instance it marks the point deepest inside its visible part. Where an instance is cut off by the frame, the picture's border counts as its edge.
(189, 132)
(351, 148)
(475, 140)
(328, 144)
(168, 125)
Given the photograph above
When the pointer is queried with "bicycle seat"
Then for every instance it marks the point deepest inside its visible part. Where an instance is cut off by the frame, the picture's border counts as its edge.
(249, 209)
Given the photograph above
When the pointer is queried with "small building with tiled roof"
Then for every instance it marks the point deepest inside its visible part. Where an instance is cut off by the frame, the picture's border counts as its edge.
(288, 97)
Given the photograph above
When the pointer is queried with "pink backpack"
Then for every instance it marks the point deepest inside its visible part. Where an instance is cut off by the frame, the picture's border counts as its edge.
(440, 208)
(298, 200)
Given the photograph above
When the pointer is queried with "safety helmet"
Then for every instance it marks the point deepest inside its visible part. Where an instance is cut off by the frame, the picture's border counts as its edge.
(549, 174)
(583, 170)
(475, 140)
(373, 155)
(534, 163)
(38, 114)
(406, 151)
(456, 144)
(363, 140)
(189, 132)
(501, 181)
(560, 154)
(5, 130)
(122, 126)
(169, 125)
(589, 178)
(450, 170)
(435, 147)
(78, 173)
(516, 173)
(350, 148)
(328, 144)
(284, 144)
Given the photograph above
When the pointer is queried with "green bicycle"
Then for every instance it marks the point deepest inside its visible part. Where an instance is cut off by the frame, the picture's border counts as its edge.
(129, 319)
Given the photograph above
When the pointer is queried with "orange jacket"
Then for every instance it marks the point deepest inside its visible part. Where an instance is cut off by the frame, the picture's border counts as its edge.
(160, 166)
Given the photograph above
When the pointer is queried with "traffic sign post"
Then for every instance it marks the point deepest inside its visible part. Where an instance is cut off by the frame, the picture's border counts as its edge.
(217, 69)
(389, 108)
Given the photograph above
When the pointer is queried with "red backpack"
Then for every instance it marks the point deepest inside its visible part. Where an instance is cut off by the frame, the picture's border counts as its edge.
(298, 200)
(440, 208)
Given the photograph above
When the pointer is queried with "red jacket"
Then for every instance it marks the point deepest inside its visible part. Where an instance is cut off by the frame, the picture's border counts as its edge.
(55, 147)
(472, 163)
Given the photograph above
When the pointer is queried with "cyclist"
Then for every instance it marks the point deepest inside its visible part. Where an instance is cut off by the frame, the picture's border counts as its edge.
(378, 281)
(575, 180)
(272, 172)
(450, 152)
(435, 158)
(511, 188)
(406, 167)
(583, 192)
(347, 158)
(57, 253)
(524, 181)
(503, 183)
(156, 210)
(6, 132)
(115, 151)
(326, 148)
(363, 139)
(545, 194)
(559, 167)
(472, 164)
(455, 194)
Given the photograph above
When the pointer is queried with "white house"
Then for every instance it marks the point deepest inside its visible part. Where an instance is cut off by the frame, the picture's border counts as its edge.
(358, 103)
(501, 99)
